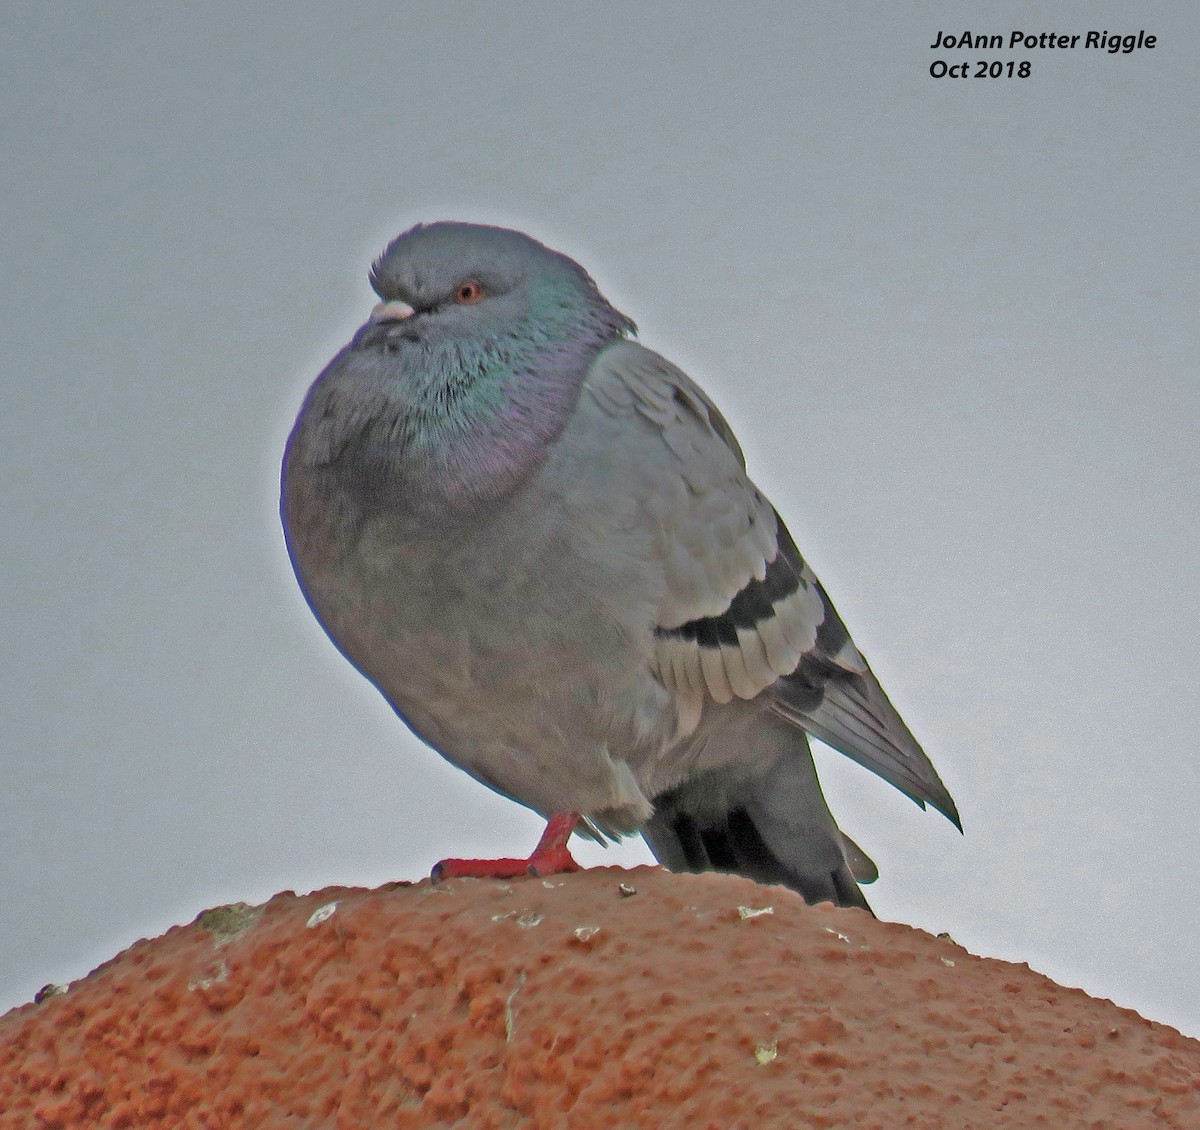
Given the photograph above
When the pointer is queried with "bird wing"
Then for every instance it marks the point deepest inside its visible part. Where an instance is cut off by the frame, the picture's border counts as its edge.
(742, 614)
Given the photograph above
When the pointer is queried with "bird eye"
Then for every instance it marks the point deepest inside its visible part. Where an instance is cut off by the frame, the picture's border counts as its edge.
(468, 293)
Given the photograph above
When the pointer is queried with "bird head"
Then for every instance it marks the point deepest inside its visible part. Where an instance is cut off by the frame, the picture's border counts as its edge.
(467, 370)
(469, 283)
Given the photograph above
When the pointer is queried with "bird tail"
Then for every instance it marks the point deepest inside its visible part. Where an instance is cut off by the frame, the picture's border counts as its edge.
(773, 825)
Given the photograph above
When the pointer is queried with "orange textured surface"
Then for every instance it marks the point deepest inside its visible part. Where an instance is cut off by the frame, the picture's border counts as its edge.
(572, 1001)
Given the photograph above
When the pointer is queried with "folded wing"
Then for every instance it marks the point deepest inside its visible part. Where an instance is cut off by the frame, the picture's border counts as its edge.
(743, 615)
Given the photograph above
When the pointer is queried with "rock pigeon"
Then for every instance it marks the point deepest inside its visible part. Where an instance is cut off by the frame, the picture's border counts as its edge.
(538, 539)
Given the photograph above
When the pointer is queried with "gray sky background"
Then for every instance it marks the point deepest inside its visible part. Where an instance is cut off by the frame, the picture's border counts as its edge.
(954, 323)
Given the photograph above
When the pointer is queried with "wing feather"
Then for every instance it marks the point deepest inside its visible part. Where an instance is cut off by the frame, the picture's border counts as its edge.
(781, 655)
(741, 614)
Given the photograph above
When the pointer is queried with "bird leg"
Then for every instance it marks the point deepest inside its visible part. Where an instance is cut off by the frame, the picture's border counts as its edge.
(550, 857)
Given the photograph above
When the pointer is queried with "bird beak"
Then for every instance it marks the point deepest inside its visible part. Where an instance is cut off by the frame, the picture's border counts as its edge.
(391, 312)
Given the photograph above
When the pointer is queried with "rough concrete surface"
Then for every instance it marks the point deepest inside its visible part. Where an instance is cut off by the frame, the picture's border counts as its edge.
(606, 998)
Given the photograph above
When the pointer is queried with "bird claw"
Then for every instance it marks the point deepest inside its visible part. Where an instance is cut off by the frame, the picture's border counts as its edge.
(552, 863)
(540, 864)
(550, 857)
(479, 869)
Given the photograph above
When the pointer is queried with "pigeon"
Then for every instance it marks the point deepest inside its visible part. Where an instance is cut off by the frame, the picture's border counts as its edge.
(538, 539)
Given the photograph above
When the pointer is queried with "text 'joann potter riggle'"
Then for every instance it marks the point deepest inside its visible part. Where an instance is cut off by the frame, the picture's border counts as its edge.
(1102, 40)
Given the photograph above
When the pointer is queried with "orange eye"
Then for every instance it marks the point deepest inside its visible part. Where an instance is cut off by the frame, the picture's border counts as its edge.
(468, 293)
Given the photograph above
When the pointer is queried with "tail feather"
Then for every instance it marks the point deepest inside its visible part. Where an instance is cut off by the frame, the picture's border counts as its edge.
(773, 827)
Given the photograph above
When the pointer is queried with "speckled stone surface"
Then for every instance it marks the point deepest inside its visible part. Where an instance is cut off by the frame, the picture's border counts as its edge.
(607, 998)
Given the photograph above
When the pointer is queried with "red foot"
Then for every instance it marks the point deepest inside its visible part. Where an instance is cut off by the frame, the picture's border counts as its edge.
(550, 857)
